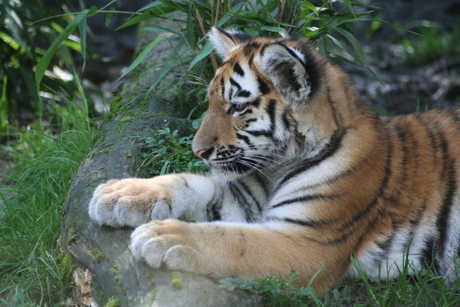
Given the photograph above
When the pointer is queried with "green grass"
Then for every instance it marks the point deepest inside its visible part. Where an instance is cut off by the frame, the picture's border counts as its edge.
(432, 44)
(32, 191)
(409, 289)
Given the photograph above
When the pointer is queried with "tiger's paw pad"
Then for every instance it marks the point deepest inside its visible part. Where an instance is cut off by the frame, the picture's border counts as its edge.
(128, 202)
(164, 242)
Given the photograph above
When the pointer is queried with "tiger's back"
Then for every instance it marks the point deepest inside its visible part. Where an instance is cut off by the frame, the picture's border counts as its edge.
(304, 176)
(417, 205)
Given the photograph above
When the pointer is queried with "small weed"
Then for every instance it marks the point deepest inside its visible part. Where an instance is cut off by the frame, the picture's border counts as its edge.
(168, 152)
(273, 291)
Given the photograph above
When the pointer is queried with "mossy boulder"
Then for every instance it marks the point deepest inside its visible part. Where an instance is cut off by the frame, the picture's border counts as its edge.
(106, 273)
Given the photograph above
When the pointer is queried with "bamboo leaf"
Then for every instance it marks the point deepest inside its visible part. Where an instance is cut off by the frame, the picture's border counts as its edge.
(310, 6)
(190, 28)
(108, 18)
(42, 65)
(82, 28)
(170, 65)
(204, 52)
(230, 14)
(142, 55)
(154, 12)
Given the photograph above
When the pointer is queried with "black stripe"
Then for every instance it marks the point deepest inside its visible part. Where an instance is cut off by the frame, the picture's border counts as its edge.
(245, 139)
(286, 121)
(328, 151)
(386, 245)
(306, 223)
(263, 87)
(248, 49)
(259, 133)
(248, 191)
(242, 202)
(222, 84)
(448, 175)
(382, 188)
(431, 136)
(255, 103)
(237, 68)
(401, 134)
(237, 37)
(213, 209)
(306, 198)
(428, 258)
(339, 177)
(235, 84)
(271, 110)
(243, 93)
(271, 113)
(262, 183)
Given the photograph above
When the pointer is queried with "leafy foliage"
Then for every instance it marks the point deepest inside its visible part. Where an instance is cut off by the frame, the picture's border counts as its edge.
(168, 152)
(329, 23)
(25, 36)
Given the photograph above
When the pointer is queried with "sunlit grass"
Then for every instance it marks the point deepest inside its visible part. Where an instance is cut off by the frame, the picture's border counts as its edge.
(32, 191)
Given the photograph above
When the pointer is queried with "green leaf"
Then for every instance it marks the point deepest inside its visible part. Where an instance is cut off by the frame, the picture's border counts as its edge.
(82, 28)
(42, 65)
(281, 31)
(204, 52)
(108, 18)
(310, 6)
(162, 30)
(142, 55)
(230, 14)
(349, 6)
(154, 12)
(170, 65)
(354, 42)
(190, 28)
(92, 11)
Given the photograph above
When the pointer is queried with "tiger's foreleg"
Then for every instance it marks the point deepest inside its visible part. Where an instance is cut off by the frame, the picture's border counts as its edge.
(133, 202)
(232, 249)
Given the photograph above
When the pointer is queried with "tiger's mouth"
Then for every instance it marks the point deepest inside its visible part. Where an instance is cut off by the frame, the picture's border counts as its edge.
(239, 163)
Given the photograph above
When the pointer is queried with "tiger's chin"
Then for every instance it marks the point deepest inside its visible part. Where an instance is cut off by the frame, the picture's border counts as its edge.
(230, 172)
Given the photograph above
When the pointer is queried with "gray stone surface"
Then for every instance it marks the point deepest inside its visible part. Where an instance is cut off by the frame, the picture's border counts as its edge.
(106, 270)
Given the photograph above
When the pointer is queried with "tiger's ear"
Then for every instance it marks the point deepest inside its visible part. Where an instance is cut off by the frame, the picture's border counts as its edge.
(286, 68)
(225, 41)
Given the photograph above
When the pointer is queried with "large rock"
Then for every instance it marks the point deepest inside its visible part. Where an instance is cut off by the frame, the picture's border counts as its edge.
(106, 273)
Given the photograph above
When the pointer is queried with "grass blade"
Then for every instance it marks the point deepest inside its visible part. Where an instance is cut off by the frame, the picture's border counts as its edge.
(204, 52)
(142, 55)
(42, 65)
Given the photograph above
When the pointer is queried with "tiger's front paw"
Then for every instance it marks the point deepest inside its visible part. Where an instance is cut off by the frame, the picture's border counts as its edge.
(130, 202)
(169, 243)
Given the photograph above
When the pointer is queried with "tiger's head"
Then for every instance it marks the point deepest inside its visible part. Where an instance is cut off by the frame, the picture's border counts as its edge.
(265, 104)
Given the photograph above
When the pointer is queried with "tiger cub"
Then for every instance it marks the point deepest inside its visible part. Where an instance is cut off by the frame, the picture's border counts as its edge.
(304, 176)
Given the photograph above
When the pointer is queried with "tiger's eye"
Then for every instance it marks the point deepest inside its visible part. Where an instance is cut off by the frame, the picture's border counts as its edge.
(240, 107)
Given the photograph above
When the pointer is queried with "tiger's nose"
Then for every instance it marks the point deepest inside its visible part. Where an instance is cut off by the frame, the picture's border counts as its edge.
(204, 153)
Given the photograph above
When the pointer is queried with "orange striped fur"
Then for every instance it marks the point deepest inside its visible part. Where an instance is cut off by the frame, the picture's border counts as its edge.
(304, 176)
